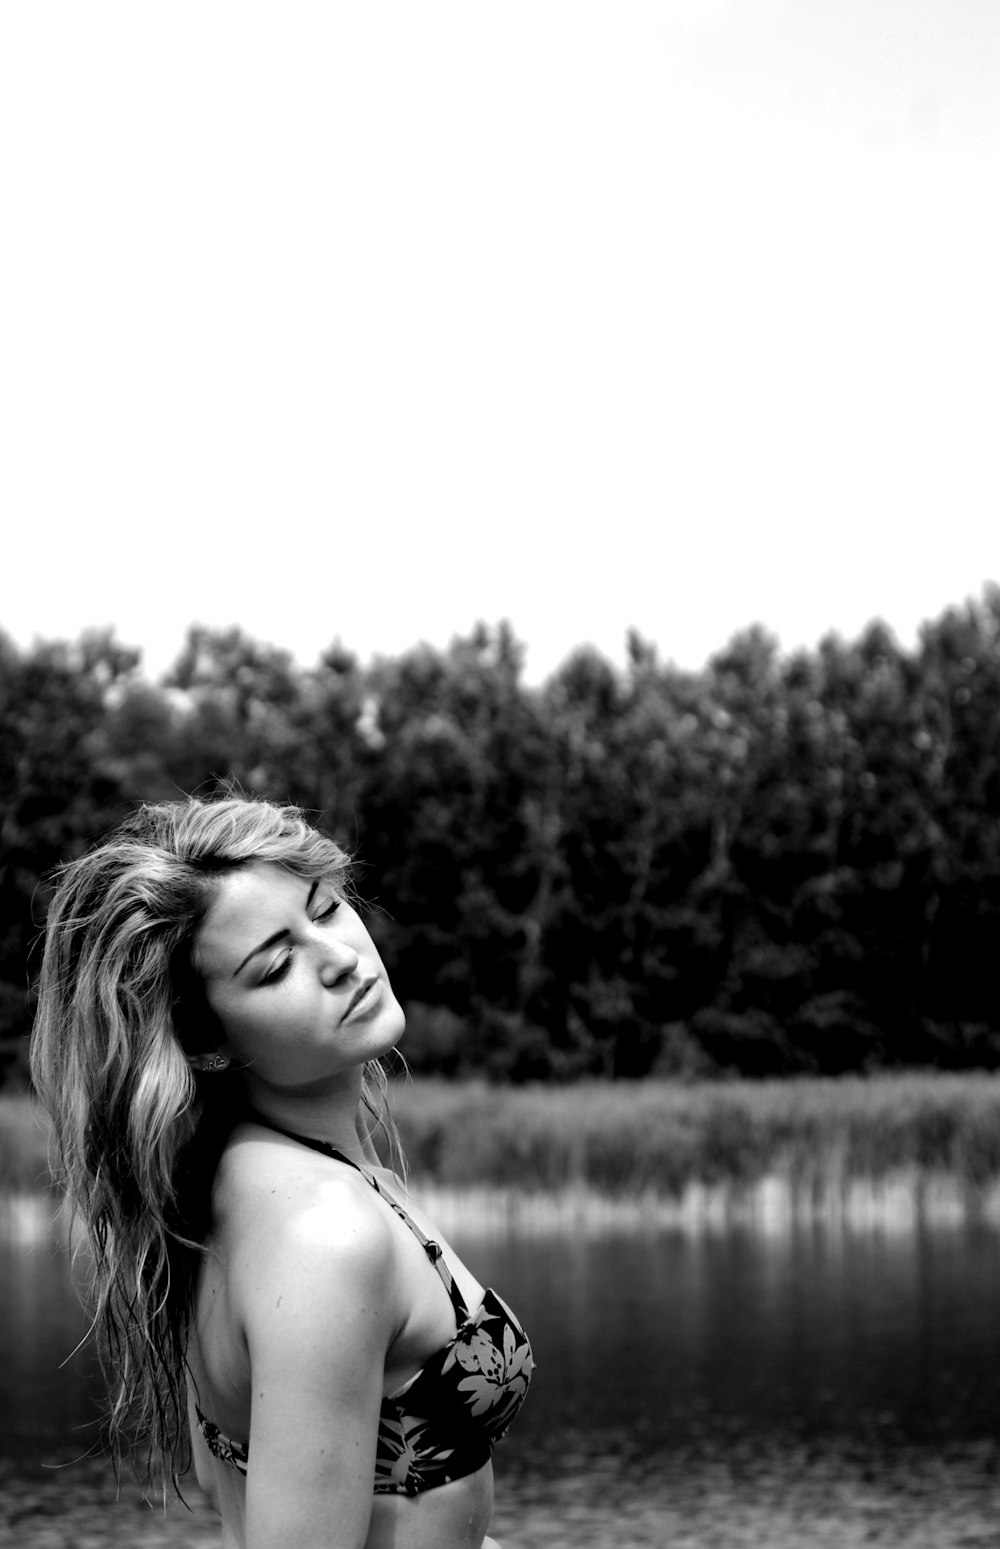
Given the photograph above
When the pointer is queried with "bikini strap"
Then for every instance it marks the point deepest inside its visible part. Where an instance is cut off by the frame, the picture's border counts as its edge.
(432, 1249)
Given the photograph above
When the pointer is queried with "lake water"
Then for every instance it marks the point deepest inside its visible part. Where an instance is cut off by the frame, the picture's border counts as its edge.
(813, 1387)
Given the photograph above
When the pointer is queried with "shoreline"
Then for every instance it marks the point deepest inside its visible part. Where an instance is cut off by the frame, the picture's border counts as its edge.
(885, 1152)
(771, 1206)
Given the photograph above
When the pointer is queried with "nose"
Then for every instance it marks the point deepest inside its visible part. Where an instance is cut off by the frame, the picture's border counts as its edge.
(337, 959)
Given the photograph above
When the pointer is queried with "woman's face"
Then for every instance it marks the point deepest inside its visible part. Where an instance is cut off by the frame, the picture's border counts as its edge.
(294, 979)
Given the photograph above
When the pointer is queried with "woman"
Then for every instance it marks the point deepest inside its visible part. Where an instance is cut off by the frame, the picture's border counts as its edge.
(212, 1012)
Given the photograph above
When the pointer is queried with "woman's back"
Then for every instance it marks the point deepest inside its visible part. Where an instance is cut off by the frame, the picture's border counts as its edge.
(207, 982)
(285, 1215)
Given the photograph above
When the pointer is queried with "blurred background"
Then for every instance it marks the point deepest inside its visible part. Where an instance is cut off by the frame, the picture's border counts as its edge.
(555, 444)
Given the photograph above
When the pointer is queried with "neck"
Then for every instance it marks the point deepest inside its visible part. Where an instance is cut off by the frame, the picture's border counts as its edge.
(333, 1114)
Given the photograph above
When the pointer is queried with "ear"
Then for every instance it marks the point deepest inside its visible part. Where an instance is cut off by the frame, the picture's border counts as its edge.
(209, 1063)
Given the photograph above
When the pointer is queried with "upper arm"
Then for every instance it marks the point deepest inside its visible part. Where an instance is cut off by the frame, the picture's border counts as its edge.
(319, 1317)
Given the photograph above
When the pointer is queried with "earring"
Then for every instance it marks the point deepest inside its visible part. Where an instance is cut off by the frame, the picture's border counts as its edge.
(215, 1062)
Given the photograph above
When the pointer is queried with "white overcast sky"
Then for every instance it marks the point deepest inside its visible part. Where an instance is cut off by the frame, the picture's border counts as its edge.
(370, 320)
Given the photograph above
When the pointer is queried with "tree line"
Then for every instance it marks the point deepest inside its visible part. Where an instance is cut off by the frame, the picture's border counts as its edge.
(773, 865)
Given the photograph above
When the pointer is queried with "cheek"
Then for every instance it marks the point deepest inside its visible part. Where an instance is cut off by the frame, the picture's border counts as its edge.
(217, 1007)
(236, 1023)
(261, 1023)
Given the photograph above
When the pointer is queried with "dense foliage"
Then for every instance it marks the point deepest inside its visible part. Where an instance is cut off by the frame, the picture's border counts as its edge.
(773, 865)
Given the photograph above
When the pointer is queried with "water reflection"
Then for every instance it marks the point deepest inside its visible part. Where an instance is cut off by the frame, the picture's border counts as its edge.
(801, 1337)
(49, 1393)
(800, 1389)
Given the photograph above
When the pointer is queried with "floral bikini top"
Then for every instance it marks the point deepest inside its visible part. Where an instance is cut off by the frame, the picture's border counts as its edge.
(445, 1421)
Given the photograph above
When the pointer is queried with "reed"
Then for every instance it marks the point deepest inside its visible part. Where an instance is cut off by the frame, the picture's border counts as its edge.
(661, 1138)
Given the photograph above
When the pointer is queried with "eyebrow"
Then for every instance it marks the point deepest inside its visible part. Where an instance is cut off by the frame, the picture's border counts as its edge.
(279, 935)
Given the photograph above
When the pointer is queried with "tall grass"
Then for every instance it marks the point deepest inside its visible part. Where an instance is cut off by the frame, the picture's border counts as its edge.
(661, 1137)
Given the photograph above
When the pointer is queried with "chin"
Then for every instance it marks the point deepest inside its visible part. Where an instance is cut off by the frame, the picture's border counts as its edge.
(391, 1020)
(396, 1020)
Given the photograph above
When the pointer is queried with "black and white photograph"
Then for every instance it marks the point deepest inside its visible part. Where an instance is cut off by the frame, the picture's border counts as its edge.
(500, 774)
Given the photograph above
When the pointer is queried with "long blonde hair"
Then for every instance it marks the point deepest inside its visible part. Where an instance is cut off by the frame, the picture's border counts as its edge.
(136, 1134)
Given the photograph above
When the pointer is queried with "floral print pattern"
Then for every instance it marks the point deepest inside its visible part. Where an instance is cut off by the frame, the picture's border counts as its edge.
(444, 1423)
(499, 1373)
(232, 1452)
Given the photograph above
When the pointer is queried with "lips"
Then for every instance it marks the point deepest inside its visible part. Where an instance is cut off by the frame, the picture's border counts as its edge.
(361, 994)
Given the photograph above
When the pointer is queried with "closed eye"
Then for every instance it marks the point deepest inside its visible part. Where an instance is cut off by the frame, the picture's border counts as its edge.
(278, 972)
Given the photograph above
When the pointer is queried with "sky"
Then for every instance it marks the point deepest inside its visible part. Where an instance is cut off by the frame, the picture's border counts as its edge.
(370, 321)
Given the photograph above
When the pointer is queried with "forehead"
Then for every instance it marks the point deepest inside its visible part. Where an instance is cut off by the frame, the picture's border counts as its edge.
(249, 905)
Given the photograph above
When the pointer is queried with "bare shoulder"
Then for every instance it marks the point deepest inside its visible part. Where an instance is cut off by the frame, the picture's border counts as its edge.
(313, 1291)
(300, 1228)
